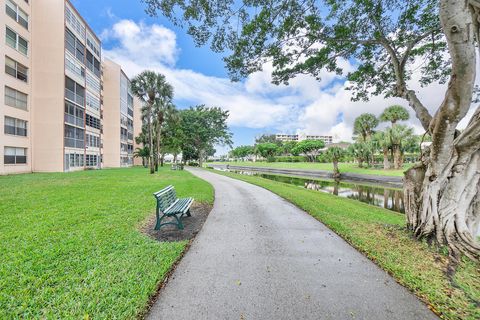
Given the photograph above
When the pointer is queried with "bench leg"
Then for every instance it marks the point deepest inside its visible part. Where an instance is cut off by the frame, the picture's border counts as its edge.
(188, 213)
(159, 222)
(179, 222)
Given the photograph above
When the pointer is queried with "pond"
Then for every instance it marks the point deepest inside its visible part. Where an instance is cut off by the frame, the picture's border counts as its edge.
(388, 198)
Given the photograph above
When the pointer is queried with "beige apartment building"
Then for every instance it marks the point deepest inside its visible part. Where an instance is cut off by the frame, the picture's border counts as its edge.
(15, 88)
(119, 110)
(52, 113)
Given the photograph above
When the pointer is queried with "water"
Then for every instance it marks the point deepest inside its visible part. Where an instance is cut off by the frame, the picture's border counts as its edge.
(379, 196)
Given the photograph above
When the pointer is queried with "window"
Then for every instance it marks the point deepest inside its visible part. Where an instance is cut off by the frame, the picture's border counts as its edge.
(74, 67)
(74, 137)
(123, 134)
(16, 99)
(92, 44)
(91, 160)
(74, 92)
(16, 13)
(74, 115)
(16, 69)
(14, 155)
(93, 141)
(74, 45)
(93, 122)
(16, 42)
(74, 160)
(93, 102)
(15, 126)
(93, 83)
(93, 64)
(75, 22)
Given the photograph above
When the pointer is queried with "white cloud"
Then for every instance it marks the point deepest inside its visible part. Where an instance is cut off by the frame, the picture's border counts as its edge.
(306, 105)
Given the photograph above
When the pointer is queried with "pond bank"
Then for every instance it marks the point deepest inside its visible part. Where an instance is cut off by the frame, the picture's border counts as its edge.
(385, 181)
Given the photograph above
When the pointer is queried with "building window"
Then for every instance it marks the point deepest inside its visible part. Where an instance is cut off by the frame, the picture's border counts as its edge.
(14, 155)
(74, 22)
(74, 45)
(74, 160)
(93, 83)
(74, 67)
(74, 92)
(16, 69)
(16, 13)
(93, 141)
(74, 115)
(93, 64)
(74, 137)
(16, 42)
(15, 127)
(91, 160)
(93, 122)
(123, 134)
(16, 99)
(92, 44)
(93, 102)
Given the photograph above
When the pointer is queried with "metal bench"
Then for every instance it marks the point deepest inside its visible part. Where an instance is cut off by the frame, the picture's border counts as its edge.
(168, 205)
(177, 166)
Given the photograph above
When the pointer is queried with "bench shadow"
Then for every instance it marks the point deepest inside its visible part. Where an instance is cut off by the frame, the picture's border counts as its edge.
(170, 233)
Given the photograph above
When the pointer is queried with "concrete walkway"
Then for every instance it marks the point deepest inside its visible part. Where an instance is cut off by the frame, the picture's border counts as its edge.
(259, 257)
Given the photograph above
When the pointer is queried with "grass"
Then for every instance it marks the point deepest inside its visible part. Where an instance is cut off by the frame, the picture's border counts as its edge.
(344, 167)
(70, 246)
(380, 235)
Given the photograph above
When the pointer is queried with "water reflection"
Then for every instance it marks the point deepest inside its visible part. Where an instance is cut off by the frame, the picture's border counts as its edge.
(387, 198)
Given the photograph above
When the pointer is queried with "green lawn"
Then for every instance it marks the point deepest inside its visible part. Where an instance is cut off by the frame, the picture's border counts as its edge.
(381, 235)
(70, 246)
(344, 167)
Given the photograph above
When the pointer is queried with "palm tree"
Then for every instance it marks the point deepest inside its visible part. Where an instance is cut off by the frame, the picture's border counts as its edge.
(162, 110)
(364, 125)
(335, 154)
(383, 141)
(398, 136)
(394, 113)
(148, 86)
(143, 153)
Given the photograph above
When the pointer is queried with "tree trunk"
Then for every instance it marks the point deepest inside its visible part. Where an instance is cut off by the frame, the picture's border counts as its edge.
(397, 158)
(360, 163)
(175, 157)
(150, 139)
(442, 193)
(200, 158)
(162, 160)
(336, 172)
(386, 162)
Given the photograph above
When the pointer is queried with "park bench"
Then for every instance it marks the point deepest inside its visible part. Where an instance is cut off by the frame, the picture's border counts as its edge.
(168, 205)
(176, 166)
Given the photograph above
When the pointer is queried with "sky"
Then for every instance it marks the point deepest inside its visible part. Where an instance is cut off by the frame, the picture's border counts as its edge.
(138, 42)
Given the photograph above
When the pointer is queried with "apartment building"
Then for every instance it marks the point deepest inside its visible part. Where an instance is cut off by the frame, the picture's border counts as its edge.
(300, 137)
(119, 110)
(51, 115)
(66, 90)
(15, 88)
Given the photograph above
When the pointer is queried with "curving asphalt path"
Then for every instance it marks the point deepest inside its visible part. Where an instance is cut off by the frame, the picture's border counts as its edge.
(260, 257)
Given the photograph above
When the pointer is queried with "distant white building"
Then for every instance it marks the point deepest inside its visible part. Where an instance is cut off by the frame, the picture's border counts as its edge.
(303, 136)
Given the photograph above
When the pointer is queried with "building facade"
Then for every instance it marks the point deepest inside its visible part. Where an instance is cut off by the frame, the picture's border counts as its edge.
(52, 116)
(300, 137)
(15, 88)
(119, 110)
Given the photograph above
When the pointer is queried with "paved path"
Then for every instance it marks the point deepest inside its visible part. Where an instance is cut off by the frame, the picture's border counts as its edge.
(259, 257)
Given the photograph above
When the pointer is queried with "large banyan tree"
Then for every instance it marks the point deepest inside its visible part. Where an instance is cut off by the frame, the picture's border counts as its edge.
(387, 40)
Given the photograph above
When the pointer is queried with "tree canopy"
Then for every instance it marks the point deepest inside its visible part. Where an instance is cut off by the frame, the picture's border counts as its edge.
(394, 113)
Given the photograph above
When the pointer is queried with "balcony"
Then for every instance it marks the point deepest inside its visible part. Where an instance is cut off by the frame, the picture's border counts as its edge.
(79, 122)
(72, 96)
(74, 143)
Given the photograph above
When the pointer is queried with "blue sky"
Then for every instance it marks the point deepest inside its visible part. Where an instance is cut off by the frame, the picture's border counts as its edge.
(138, 42)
